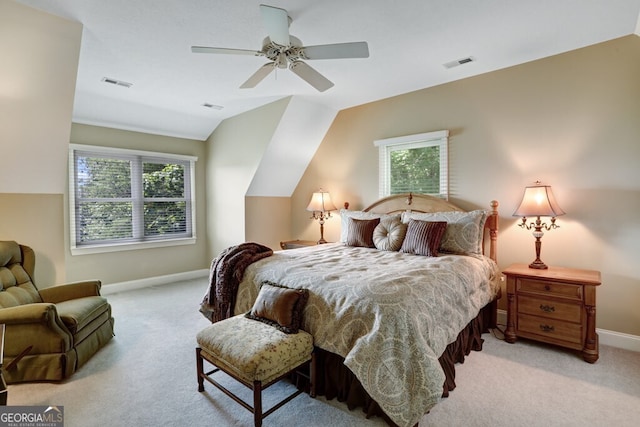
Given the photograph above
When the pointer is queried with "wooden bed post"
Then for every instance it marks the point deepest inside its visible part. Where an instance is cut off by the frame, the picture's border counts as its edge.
(492, 224)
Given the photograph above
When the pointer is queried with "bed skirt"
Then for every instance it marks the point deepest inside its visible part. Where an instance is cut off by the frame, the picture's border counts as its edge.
(335, 380)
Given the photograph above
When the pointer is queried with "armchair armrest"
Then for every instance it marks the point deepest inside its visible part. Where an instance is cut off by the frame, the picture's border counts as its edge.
(56, 294)
(28, 313)
(37, 325)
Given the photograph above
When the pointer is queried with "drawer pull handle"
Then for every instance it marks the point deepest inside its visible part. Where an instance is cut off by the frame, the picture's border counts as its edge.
(546, 328)
(547, 308)
(547, 287)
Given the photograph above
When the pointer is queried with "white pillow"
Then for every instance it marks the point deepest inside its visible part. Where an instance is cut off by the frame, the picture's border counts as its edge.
(464, 233)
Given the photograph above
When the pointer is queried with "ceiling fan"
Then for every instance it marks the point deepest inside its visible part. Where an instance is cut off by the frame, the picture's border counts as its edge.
(284, 50)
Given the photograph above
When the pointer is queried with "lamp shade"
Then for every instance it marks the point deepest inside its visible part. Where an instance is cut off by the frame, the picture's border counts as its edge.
(538, 200)
(321, 202)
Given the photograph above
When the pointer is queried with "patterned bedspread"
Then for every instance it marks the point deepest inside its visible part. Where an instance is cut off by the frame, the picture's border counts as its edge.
(390, 315)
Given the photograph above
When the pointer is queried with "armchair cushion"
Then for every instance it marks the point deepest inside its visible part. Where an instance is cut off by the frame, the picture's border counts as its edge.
(19, 295)
(15, 279)
(78, 313)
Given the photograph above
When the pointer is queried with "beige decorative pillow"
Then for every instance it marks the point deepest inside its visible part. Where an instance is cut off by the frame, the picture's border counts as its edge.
(464, 233)
(389, 234)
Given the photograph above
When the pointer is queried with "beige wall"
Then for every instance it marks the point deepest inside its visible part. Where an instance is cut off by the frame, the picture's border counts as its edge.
(268, 220)
(37, 220)
(234, 151)
(124, 266)
(37, 83)
(571, 121)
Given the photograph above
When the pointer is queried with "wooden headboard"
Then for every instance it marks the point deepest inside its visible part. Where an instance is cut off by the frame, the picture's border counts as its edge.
(399, 203)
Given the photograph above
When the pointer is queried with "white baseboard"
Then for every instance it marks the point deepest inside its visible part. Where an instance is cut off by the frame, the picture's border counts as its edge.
(152, 281)
(606, 337)
(619, 339)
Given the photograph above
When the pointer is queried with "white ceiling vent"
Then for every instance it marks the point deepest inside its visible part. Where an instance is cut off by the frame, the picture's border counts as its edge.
(116, 82)
(458, 62)
(212, 106)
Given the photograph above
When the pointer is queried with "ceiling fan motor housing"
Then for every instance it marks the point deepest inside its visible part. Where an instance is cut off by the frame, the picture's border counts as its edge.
(281, 55)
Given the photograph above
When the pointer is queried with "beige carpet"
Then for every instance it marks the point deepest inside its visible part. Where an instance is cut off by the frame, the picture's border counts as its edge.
(146, 377)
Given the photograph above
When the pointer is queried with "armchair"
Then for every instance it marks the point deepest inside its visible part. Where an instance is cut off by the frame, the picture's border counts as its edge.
(49, 333)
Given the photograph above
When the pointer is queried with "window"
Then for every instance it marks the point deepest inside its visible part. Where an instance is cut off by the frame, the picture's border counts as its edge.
(125, 199)
(414, 164)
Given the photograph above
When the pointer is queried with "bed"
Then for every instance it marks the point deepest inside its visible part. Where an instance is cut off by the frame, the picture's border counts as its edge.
(389, 324)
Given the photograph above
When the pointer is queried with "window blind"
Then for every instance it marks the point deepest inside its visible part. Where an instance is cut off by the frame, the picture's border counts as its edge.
(124, 196)
(414, 163)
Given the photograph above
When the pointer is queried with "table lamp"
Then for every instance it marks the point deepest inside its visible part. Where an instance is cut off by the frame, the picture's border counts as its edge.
(538, 201)
(321, 206)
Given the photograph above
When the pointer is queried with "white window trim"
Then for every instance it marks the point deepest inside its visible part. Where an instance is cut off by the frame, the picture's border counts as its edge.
(127, 246)
(385, 146)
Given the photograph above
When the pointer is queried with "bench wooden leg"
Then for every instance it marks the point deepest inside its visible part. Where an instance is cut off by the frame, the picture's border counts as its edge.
(312, 375)
(257, 403)
(199, 369)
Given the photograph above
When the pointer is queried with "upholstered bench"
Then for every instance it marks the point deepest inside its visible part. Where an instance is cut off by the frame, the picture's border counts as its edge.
(256, 353)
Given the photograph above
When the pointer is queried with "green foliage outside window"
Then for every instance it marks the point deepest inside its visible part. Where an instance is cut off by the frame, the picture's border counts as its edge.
(415, 170)
(414, 164)
(113, 204)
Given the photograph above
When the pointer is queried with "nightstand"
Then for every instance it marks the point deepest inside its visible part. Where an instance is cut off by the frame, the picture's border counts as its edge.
(555, 306)
(293, 244)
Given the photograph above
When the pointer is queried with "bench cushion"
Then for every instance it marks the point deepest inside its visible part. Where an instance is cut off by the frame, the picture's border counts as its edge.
(252, 350)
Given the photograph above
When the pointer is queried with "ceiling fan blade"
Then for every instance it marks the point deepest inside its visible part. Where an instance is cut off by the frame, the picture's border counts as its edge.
(276, 22)
(311, 76)
(338, 50)
(259, 75)
(222, 50)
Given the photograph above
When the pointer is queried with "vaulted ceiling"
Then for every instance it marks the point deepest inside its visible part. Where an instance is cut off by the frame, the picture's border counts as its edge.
(147, 43)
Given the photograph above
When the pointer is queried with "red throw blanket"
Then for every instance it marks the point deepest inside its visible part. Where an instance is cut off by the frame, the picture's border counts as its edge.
(225, 275)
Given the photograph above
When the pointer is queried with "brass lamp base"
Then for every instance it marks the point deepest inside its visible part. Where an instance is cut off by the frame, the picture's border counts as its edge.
(538, 264)
(538, 233)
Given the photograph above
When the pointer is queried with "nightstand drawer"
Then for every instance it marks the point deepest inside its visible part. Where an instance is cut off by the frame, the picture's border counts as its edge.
(545, 287)
(556, 329)
(552, 309)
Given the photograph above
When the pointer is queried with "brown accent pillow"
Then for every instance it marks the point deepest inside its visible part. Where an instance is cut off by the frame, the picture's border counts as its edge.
(360, 232)
(280, 307)
(423, 237)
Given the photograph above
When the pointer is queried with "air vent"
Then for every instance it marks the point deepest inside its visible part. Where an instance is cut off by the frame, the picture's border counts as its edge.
(212, 106)
(116, 82)
(458, 62)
